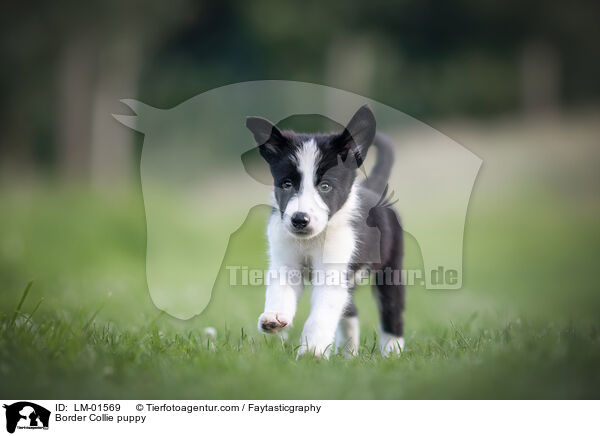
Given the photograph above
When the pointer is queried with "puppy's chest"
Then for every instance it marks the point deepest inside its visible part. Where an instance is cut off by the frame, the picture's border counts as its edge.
(335, 246)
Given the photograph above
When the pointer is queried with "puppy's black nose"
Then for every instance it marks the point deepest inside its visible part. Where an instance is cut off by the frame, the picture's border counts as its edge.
(300, 220)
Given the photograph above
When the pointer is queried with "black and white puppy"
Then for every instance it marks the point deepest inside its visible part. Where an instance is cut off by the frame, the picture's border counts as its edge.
(325, 220)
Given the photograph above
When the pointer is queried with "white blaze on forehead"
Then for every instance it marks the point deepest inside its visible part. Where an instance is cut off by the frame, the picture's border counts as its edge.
(307, 199)
(307, 158)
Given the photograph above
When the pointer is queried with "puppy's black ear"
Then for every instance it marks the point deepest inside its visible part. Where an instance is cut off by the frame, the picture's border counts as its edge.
(358, 135)
(268, 137)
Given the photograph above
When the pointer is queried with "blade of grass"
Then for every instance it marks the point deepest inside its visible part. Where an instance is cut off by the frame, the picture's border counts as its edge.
(37, 306)
(460, 334)
(18, 309)
(93, 317)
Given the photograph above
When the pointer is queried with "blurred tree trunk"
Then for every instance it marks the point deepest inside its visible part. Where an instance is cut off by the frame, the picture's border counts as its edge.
(92, 79)
(351, 64)
(16, 157)
(540, 78)
(111, 151)
(75, 87)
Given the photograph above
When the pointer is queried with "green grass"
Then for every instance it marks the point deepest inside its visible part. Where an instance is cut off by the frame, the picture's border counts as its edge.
(78, 358)
(525, 324)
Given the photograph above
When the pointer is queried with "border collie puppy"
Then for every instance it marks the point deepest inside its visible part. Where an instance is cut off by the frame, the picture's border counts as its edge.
(327, 222)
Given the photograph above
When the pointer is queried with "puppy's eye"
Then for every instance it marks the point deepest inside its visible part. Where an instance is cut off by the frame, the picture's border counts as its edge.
(287, 185)
(324, 187)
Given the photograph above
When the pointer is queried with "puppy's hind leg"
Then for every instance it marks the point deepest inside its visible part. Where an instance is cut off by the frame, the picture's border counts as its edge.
(348, 332)
(390, 297)
(391, 306)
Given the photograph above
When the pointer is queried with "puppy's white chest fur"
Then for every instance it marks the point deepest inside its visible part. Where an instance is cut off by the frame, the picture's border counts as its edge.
(333, 248)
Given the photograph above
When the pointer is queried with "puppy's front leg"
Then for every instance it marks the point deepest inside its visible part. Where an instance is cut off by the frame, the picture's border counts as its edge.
(283, 291)
(327, 306)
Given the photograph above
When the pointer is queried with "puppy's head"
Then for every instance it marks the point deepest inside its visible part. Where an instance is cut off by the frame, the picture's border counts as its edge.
(313, 174)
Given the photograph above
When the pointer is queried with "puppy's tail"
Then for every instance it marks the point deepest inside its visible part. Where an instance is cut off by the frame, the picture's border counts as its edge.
(378, 179)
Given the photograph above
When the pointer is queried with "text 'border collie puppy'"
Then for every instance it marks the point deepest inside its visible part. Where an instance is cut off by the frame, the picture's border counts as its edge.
(325, 221)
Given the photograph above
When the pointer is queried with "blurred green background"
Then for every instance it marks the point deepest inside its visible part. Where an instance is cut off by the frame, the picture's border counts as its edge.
(514, 82)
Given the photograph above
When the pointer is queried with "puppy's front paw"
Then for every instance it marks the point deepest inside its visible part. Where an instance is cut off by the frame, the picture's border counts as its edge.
(272, 322)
